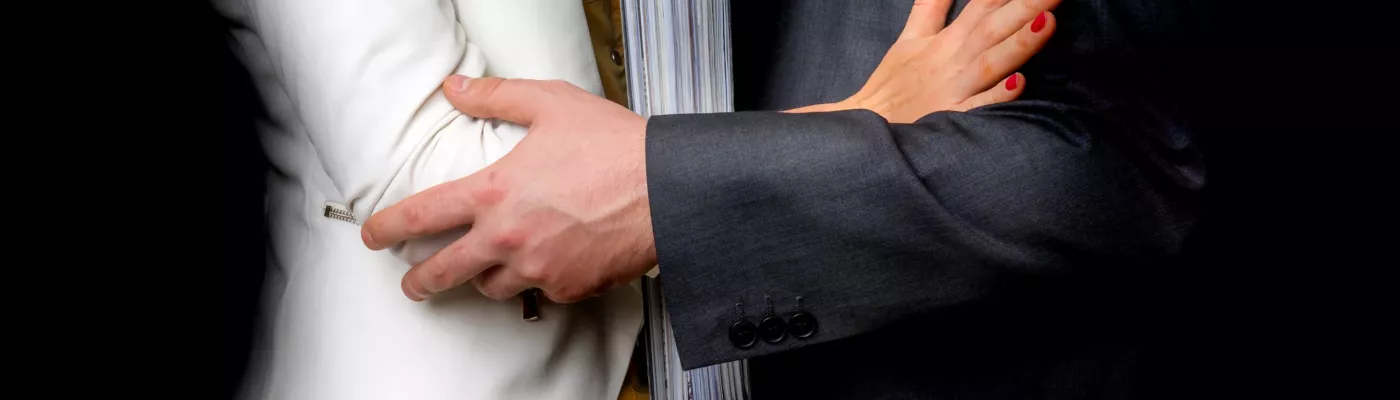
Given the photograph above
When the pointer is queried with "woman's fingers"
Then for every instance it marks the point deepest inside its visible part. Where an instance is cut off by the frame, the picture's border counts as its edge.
(1001, 24)
(1010, 54)
(973, 14)
(1009, 89)
(926, 18)
(918, 77)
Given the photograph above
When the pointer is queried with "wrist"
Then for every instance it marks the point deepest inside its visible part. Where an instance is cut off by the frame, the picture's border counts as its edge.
(824, 107)
(850, 103)
(858, 102)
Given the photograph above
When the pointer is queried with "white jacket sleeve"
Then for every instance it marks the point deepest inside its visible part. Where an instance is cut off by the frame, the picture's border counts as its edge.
(363, 77)
(352, 90)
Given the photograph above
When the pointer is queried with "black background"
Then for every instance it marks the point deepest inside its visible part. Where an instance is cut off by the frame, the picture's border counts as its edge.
(145, 223)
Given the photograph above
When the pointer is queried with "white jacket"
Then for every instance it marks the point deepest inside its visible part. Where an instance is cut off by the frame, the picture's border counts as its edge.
(358, 123)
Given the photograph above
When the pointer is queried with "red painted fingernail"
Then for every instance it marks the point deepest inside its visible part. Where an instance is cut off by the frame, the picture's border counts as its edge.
(1039, 23)
(1011, 82)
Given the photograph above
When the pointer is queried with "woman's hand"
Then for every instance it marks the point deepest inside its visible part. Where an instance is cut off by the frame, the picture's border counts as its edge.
(959, 67)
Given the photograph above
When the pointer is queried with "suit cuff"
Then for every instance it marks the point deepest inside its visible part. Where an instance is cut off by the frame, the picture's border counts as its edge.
(717, 185)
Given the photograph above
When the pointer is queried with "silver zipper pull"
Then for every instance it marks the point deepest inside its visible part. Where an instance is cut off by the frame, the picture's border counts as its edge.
(337, 211)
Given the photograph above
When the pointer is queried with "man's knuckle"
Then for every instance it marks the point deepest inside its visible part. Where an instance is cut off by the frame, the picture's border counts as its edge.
(460, 253)
(482, 88)
(439, 278)
(563, 295)
(572, 294)
(415, 220)
(495, 292)
(509, 239)
(535, 272)
(490, 192)
(532, 274)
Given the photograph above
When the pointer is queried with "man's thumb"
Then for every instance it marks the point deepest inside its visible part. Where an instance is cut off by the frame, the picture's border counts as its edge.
(514, 100)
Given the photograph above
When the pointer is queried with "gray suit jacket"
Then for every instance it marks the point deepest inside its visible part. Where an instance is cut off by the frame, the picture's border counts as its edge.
(996, 251)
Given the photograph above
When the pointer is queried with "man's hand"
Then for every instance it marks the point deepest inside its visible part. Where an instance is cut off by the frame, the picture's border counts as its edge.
(566, 211)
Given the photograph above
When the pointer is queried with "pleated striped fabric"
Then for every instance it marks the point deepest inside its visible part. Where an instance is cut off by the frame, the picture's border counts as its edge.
(679, 61)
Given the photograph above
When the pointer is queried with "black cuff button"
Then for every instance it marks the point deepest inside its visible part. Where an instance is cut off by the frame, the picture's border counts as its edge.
(772, 329)
(743, 334)
(802, 325)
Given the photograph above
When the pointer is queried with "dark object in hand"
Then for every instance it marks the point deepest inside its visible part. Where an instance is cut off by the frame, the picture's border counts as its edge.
(531, 299)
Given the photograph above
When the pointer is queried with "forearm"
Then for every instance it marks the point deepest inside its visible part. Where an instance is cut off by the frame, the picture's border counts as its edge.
(870, 223)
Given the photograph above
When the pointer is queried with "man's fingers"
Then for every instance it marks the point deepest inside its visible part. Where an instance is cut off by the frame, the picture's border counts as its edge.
(926, 18)
(1002, 24)
(514, 100)
(450, 267)
(1010, 54)
(1009, 89)
(439, 208)
(499, 283)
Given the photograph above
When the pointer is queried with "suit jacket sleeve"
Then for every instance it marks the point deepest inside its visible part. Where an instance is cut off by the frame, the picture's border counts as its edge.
(871, 222)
